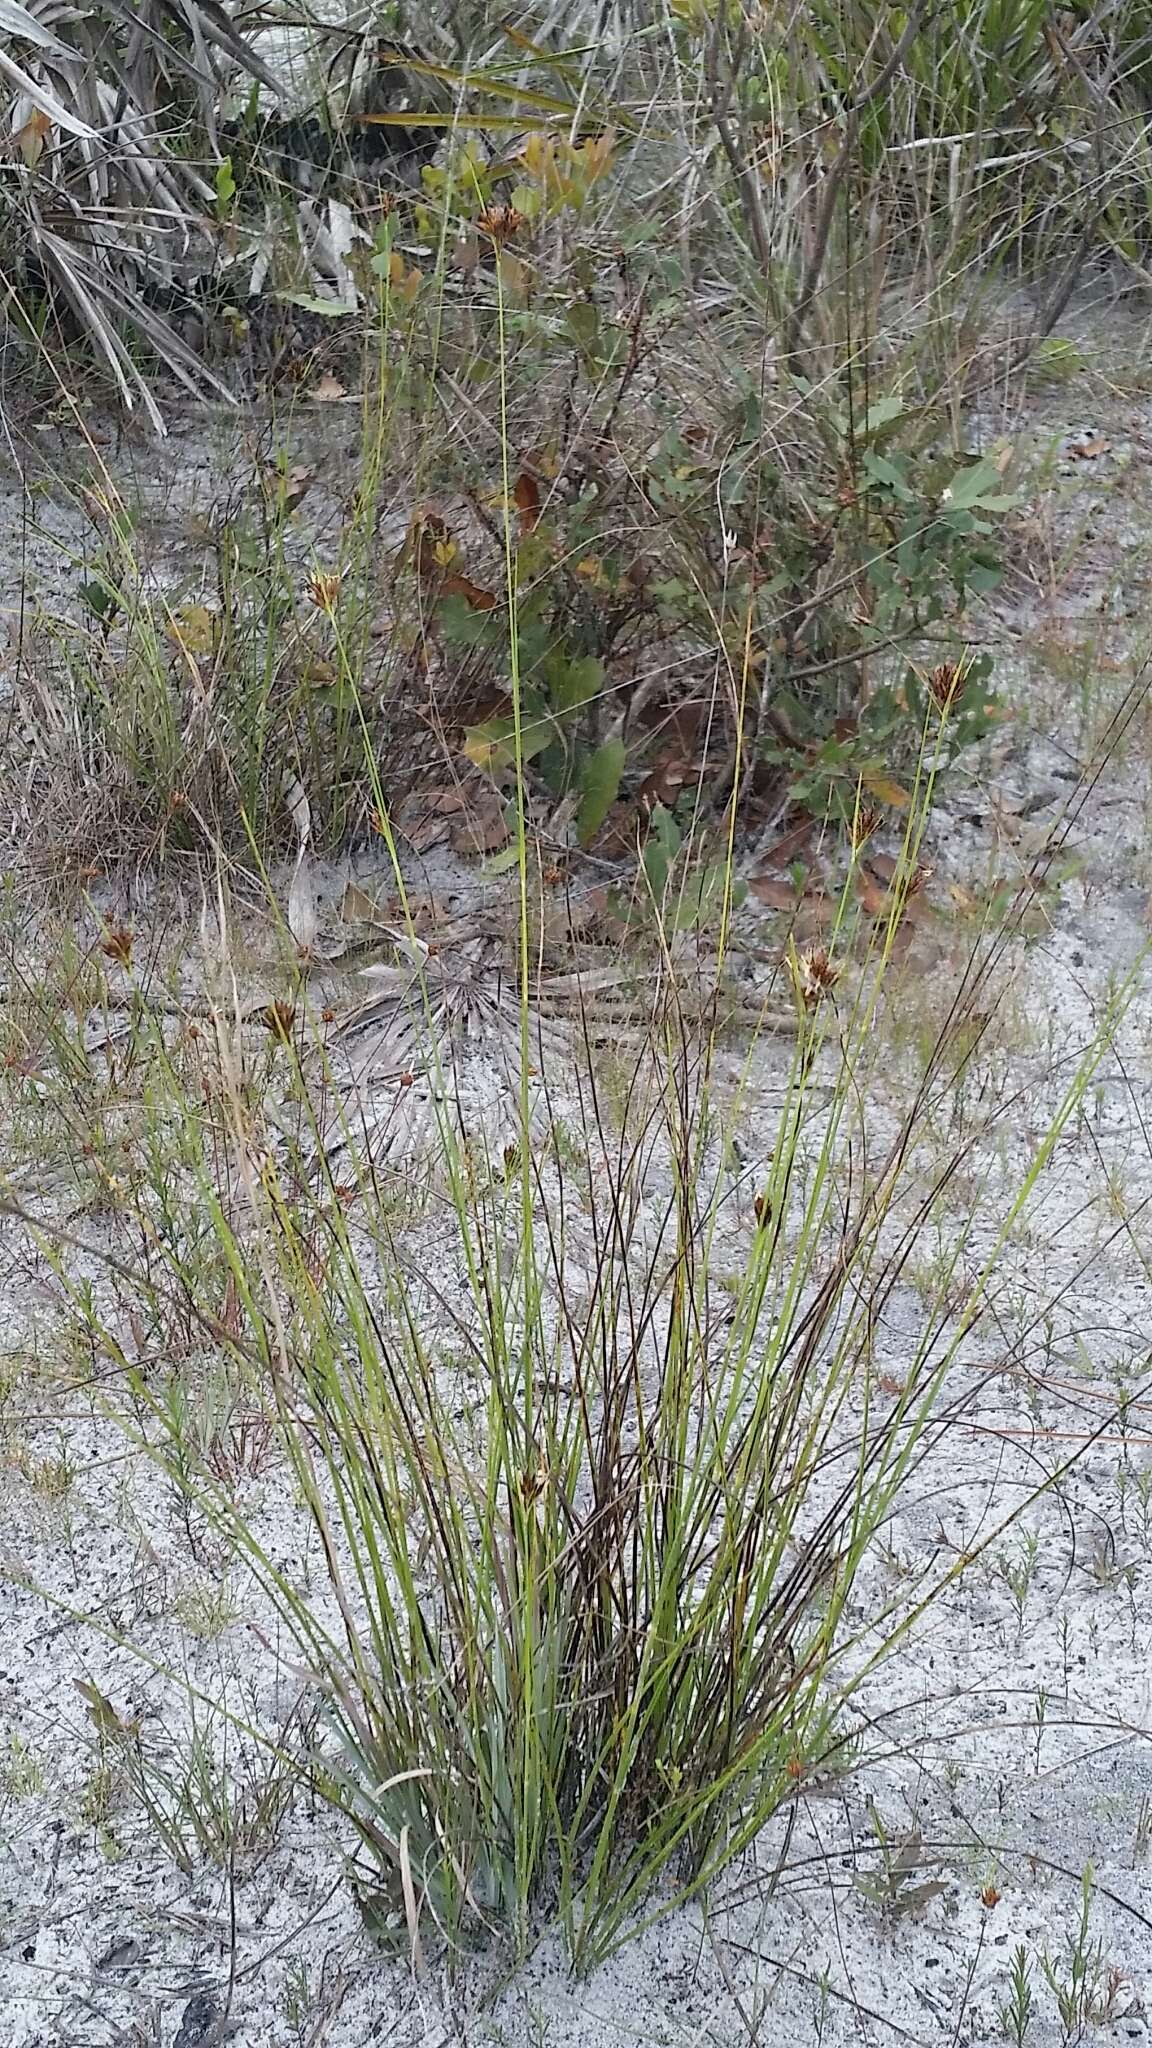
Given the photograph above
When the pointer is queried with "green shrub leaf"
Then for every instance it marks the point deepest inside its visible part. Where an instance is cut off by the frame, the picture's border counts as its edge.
(599, 787)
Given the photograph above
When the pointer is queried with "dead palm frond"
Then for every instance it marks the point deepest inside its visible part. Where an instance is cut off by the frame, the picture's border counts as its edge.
(441, 1039)
(97, 202)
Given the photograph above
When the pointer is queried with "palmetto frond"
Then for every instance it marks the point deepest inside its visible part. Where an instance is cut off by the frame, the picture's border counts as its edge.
(440, 1041)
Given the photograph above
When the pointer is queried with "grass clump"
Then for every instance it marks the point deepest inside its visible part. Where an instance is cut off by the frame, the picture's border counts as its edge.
(594, 1467)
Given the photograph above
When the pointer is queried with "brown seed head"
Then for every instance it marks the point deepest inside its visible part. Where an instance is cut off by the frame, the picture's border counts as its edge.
(324, 589)
(278, 1018)
(865, 820)
(944, 682)
(500, 223)
(116, 944)
(534, 1481)
(815, 975)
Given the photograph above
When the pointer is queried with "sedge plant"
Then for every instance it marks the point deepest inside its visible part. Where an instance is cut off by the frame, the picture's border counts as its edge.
(594, 1460)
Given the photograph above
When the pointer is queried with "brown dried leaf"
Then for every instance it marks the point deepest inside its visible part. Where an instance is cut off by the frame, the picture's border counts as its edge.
(31, 137)
(568, 919)
(917, 909)
(425, 823)
(785, 849)
(921, 951)
(816, 912)
(356, 906)
(881, 896)
(875, 899)
(666, 778)
(474, 594)
(483, 828)
(617, 836)
(883, 867)
(327, 390)
(526, 498)
(774, 892)
(424, 914)
(319, 673)
(514, 275)
(296, 485)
